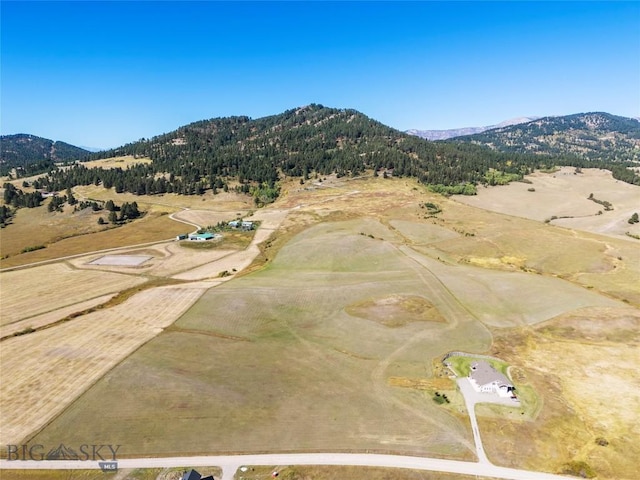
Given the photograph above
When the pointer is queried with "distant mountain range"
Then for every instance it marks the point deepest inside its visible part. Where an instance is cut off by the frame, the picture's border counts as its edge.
(458, 132)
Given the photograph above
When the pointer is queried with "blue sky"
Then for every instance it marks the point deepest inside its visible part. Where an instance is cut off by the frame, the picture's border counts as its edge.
(105, 73)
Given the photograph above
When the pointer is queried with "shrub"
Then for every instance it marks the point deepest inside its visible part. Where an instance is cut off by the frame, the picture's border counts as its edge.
(32, 249)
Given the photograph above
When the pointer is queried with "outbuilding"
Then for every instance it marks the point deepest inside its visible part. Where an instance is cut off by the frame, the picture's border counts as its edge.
(201, 237)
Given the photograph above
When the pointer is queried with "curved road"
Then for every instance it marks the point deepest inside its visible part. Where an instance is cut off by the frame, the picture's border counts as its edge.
(231, 463)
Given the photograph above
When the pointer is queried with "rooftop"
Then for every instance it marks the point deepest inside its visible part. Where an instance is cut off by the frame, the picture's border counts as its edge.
(483, 373)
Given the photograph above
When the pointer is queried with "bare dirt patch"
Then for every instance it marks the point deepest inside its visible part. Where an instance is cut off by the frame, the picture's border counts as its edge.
(396, 310)
(121, 260)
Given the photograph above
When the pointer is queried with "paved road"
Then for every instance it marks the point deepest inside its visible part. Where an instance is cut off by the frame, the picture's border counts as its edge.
(230, 464)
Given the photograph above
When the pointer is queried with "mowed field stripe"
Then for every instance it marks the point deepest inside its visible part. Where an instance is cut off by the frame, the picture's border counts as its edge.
(44, 372)
(26, 293)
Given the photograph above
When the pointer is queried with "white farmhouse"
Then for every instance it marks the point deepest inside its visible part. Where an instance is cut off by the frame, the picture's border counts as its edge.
(486, 379)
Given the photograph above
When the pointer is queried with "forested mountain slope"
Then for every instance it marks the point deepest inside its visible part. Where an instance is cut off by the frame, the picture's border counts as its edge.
(593, 136)
(30, 153)
(252, 155)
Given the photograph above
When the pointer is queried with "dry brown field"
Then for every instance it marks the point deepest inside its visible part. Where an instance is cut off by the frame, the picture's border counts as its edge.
(43, 372)
(303, 472)
(254, 473)
(151, 228)
(30, 292)
(296, 355)
(37, 226)
(122, 162)
(565, 194)
(138, 474)
(39, 321)
(67, 233)
(229, 201)
(584, 363)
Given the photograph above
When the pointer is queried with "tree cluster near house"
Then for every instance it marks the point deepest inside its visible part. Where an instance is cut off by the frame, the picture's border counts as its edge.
(17, 198)
(128, 211)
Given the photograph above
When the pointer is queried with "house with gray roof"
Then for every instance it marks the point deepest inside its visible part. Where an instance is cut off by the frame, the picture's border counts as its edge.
(486, 379)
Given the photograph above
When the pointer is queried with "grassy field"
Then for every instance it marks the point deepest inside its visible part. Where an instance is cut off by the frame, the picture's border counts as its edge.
(330, 342)
(584, 364)
(57, 286)
(45, 371)
(342, 473)
(295, 357)
(272, 361)
(137, 474)
(151, 228)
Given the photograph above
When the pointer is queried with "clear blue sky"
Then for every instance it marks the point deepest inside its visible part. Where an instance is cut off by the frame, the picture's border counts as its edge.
(105, 73)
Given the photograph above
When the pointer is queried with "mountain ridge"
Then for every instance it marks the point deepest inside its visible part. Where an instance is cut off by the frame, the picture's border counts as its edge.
(458, 132)
(594, 136)
(251, 155)
(24, 151)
